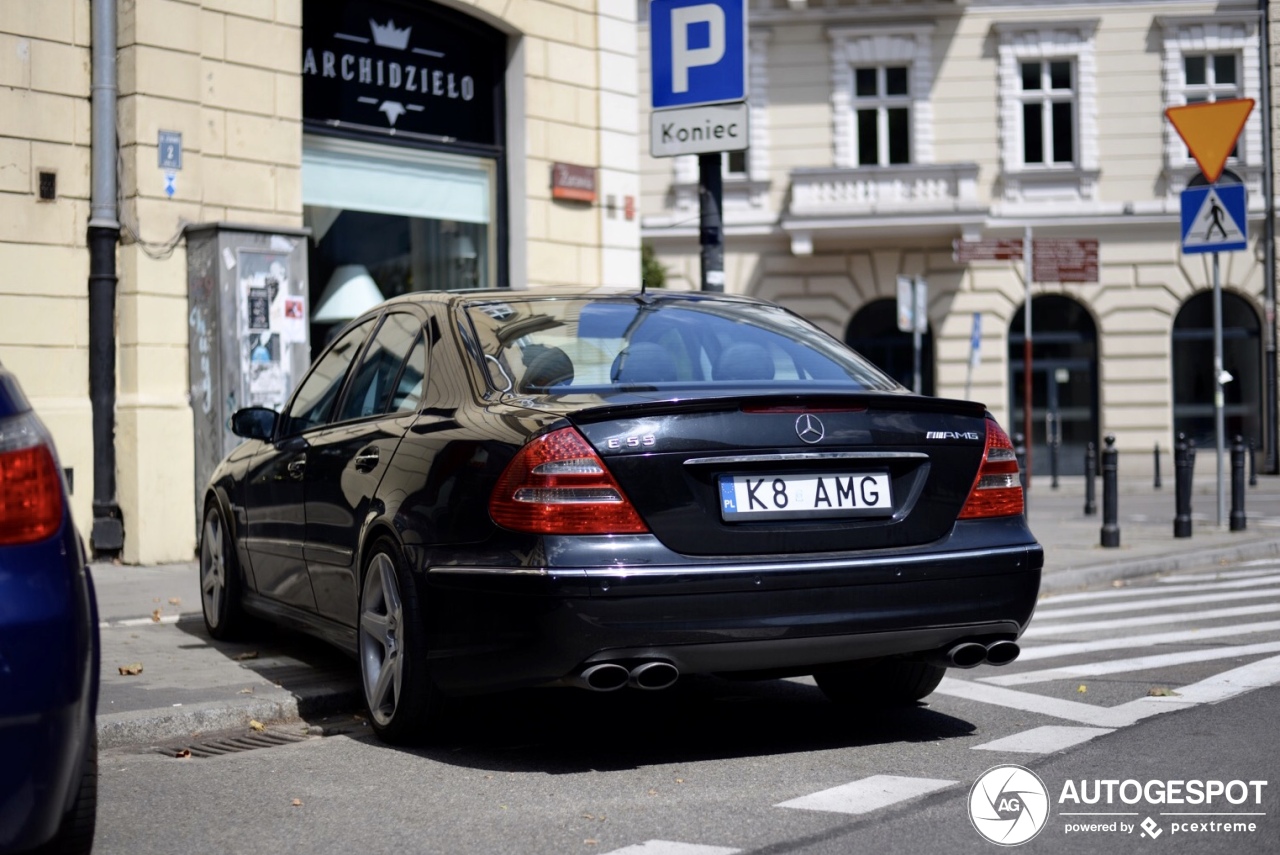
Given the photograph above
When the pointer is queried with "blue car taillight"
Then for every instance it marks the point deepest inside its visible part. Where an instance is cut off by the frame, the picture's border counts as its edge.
(31, 501)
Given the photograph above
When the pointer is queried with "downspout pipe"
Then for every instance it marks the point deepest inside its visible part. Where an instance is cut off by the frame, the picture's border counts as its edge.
(107, 537)
(1271, 411)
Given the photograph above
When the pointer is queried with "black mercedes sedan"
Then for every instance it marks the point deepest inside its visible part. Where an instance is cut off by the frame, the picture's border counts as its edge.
(479, 491)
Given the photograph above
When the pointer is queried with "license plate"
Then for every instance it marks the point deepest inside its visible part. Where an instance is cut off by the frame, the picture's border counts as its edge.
(844, 494)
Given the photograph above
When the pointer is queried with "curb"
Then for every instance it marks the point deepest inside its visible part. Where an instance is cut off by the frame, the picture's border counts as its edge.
(1063, 581)
(147, 727)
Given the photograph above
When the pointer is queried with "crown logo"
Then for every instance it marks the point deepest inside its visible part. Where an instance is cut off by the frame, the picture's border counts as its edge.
(388, 35)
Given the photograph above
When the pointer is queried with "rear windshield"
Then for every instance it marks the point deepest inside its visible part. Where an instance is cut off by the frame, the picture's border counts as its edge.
(565, 345)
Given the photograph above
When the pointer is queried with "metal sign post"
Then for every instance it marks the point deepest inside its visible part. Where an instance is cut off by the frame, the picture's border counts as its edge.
(1028, 253)
(698, 62)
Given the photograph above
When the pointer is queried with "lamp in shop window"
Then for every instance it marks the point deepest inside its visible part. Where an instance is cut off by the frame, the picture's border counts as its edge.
(349, 293)
(466, 259)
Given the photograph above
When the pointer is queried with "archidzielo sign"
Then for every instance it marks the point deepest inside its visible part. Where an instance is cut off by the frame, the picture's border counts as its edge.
(394, 69)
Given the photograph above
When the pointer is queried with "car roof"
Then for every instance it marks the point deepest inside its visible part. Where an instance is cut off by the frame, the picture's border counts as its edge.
(473, 296)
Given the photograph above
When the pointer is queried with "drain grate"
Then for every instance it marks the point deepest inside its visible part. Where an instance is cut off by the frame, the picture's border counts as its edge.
(231, 744)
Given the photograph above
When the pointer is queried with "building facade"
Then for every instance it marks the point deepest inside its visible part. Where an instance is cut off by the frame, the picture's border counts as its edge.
(883, 132)
(335, 152)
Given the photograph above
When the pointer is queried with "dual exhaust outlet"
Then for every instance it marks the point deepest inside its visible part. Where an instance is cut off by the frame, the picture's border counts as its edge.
(971, 654)
(611, 676)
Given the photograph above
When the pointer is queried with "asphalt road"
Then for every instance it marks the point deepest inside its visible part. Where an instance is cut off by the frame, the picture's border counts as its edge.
(1165, 679)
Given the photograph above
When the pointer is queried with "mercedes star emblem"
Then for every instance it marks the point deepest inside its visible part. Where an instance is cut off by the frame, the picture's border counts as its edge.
(809, 428)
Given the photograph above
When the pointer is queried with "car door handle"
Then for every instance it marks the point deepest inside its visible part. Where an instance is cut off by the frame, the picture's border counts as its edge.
(367, 459)
(297, 467)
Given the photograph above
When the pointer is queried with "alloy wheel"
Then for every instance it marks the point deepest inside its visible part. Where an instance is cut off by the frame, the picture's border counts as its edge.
(381, 658)
(213, 568)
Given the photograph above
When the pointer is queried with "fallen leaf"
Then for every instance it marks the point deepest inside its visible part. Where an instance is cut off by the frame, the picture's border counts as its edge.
(679, 780)
(653, 792)
(257, 725)
(248, 691)
(590, 841)
(297, 802)
(175, 601)
(1161, 692)
(131, 670)
(183, 754)
(155, 616)
(248, 654)
(1082, 689)
(588, 816)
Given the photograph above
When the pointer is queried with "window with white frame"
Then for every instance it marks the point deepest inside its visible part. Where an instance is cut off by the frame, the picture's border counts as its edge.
(1048, 110)
(1048, 99)
(882, 114)
(1212, 59)
(881, 81)
(733, 164)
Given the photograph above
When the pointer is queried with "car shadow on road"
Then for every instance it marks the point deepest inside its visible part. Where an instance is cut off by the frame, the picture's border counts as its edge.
(567, 731)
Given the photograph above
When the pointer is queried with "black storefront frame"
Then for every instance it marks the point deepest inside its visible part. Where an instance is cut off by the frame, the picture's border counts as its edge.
(497, 151)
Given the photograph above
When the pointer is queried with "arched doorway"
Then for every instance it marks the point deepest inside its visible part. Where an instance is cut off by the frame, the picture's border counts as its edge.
(1064, 382)
(874, 333)
(1193, 370)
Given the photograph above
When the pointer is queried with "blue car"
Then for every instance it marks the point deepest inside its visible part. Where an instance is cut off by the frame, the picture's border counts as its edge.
(48, 646)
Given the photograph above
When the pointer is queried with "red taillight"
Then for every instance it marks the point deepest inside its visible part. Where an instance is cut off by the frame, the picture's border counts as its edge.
(997, 491)
(30, 495)
(557, 484)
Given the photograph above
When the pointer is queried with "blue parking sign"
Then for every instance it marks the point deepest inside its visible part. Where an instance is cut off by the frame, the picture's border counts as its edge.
(698, 52)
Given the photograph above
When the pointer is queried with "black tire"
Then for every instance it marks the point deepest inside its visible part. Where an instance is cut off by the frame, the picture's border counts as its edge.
(220, 582)
(403, 702)
(879, 682)
(75, 834)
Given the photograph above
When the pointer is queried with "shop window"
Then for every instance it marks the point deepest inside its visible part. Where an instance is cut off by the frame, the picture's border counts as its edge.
(389, 220)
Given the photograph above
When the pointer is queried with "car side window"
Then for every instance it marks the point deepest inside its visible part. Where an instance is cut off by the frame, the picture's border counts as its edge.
(407, 397)
(315, 398)
(371, 387)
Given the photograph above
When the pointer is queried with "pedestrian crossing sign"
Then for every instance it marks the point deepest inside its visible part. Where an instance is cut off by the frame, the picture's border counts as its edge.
(1213, 218)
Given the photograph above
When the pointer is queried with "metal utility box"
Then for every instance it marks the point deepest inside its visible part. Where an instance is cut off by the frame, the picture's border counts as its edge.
(249, 329)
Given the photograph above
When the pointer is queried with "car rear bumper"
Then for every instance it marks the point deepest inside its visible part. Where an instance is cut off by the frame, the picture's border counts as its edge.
(503, 627)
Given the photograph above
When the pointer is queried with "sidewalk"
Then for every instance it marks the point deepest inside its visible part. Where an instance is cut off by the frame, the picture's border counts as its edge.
(190, 683)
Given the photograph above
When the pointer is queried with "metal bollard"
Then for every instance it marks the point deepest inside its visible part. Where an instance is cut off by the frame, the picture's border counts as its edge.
(1237, 485)
(1110, 494)
(1156, 484)
(1090, 475)
(1183, 462)
(1253, 464)
(1053, 462)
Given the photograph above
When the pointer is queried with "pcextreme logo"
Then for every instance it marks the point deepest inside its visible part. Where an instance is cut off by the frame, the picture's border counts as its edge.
(1008, 805)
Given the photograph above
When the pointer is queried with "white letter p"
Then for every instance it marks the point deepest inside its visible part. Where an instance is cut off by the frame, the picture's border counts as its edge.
(682, 58)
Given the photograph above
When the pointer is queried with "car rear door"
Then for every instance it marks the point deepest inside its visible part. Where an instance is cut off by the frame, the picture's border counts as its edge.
(347, 460)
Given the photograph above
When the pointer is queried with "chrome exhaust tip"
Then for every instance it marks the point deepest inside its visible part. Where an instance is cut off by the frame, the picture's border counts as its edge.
(652, 676)
(604, 677)
(1002, 652)
(968, 654)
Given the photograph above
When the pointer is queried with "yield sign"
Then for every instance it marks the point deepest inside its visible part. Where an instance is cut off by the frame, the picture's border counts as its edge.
(1210, 130)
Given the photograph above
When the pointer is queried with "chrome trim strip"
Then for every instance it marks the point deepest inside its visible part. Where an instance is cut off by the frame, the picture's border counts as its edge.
(816, 455)
(741, 569)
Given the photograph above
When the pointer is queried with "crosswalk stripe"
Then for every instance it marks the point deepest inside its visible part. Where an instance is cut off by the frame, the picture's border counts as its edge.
(1154, 603)
(1124, 593)
(1044, 740)
(1189, 635)
(1219, 687)
(1029, 702)
(1138, 663)
(1271, 567)
(868, 794)
(1180, 618)
(672, 847)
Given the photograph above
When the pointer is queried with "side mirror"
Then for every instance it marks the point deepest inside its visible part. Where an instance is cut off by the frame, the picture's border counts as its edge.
(254, 423)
